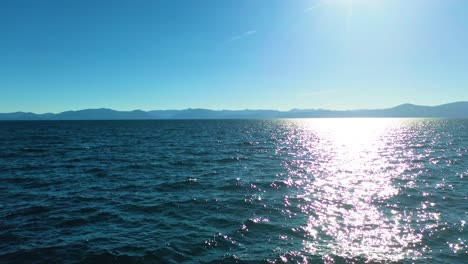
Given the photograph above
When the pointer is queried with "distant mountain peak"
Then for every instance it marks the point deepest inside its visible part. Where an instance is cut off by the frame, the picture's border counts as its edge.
(406, 105)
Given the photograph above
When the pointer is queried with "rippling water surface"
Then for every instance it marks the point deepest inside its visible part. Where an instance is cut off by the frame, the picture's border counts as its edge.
(268, 191)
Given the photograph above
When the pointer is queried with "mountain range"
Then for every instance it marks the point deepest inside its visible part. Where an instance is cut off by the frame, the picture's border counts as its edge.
(451, 110)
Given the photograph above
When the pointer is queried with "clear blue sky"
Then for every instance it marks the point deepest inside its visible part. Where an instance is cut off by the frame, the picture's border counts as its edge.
(58, 55)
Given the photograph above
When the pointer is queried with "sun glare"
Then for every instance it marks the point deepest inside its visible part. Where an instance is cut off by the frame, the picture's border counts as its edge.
(347, 213)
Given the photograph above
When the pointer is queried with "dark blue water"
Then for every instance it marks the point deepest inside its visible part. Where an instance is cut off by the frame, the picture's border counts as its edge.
(259, 191)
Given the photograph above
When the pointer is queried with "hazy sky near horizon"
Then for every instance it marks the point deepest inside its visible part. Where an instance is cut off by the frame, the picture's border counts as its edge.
(58, 55)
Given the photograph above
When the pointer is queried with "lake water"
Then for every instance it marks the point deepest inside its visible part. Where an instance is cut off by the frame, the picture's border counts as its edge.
(234, 191)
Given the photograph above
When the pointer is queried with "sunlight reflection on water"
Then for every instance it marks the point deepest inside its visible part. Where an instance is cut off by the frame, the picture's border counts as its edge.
(353, 176)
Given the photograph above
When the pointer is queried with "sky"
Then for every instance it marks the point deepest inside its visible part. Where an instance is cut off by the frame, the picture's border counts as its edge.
(58, 55)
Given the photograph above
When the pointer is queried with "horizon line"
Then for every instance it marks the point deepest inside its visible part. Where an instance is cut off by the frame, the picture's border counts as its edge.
(219, 110)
